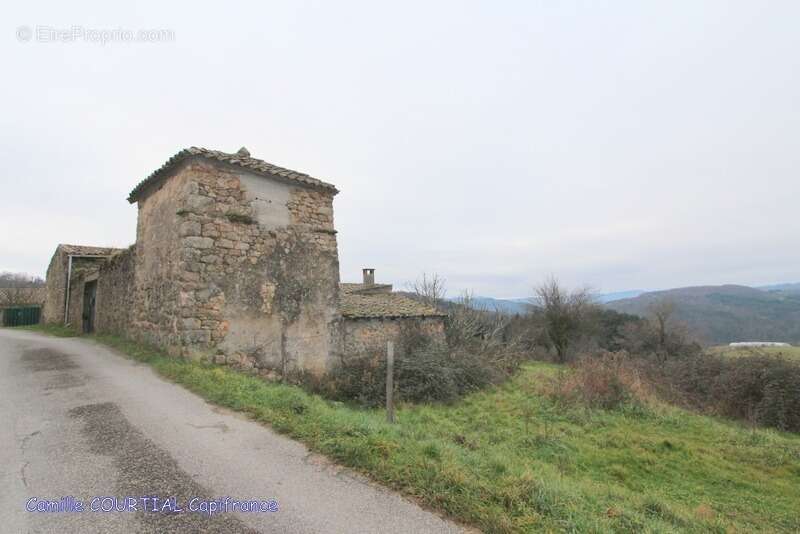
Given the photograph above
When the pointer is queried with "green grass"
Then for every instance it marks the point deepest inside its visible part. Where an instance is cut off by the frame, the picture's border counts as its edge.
(792, 352)
(50, 329)
(511, 460)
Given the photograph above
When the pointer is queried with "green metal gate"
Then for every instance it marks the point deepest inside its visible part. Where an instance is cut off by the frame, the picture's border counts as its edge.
(21, 316)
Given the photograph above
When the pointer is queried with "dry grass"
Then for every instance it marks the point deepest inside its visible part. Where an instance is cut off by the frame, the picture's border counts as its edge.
(792, 353)
(607, 381)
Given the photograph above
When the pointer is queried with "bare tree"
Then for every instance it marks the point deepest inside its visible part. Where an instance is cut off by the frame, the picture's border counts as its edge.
(660, 334)
(660, 313)
(468, 320)
(564, 312)
(473, 329)
(9, 280)
(430, 288)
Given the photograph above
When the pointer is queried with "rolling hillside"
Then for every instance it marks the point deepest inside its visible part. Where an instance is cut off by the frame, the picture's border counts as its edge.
(522, 305)
(722, 314)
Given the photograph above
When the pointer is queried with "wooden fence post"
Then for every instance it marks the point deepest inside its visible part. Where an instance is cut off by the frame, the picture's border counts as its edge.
(390, 381)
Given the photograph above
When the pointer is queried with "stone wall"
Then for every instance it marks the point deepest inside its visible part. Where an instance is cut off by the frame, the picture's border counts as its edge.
(115, 294)
(54, 302)
(237, 267)
(11, 297)
(53, 309)
(158, 280)
(368, 337)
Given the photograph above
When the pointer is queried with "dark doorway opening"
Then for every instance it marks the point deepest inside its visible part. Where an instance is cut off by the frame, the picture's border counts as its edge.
(89, 299)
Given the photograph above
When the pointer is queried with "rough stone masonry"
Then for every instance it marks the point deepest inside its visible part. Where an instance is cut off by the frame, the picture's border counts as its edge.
(235, 260)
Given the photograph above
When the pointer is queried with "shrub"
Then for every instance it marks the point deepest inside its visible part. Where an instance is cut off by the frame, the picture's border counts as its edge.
(430, 373)
(427, 371)
(643, 338)
(761, 389)
(608, 380)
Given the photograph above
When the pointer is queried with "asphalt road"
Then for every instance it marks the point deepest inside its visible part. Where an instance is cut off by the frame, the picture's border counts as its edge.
(79, 421)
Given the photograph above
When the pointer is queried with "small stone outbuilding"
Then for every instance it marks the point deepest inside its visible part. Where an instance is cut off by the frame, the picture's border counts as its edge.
(68, 264)
(235, 260)
(374, 314)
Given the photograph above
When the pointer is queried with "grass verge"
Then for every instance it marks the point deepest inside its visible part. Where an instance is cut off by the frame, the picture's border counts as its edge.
(50, 329)
(509, 459)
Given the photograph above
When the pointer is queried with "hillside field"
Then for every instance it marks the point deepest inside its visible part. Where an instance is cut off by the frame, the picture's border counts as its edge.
(510, 459)
(735, 352)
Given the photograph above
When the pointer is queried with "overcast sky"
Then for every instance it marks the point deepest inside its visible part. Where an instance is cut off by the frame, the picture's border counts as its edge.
(622, 145)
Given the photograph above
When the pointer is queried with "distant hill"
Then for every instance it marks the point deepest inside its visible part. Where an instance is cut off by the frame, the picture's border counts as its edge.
(723, 314)
(619, 295)
(790, 288)
(510, 306)
(521, 305)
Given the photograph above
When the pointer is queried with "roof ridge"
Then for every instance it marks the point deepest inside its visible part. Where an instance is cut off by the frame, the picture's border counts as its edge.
(241, 158)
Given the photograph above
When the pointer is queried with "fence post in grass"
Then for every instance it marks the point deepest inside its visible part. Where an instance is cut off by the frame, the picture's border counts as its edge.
(390, 381)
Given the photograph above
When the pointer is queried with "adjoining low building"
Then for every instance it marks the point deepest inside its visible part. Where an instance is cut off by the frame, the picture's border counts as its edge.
(374, 315)
(68, 263)
(236, 260)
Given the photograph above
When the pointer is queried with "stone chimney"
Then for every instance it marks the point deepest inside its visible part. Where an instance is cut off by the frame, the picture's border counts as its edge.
(369, 277)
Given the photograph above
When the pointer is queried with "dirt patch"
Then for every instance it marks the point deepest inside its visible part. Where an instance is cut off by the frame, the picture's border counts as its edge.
(145, 469)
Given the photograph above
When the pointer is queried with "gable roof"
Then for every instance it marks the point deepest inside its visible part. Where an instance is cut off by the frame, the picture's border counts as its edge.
(240, 159)
(355, 303)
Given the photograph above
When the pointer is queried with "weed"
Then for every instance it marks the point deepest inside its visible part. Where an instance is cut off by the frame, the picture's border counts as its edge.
(241, 218)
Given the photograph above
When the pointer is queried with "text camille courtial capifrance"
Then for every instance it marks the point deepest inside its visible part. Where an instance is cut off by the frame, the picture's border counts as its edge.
(108, 504)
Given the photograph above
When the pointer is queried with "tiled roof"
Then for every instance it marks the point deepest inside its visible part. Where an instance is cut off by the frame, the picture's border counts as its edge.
(359, 305)
(82, 250)
(241, 159)
(363, 288)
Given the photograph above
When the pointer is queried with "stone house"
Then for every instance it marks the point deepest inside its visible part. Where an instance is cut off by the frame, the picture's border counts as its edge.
(235, 259)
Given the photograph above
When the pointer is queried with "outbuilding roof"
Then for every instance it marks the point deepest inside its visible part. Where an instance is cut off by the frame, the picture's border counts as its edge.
(84, 250)
(357, 302)
(241, 158)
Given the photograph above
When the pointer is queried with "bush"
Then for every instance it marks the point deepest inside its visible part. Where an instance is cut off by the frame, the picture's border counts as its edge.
(608, 380)
(643, 338)
(431, 373)
(762, 389)
(427, 371)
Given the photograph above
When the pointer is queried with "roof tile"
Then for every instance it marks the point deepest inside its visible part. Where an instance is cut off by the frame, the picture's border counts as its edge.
(357, 305)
